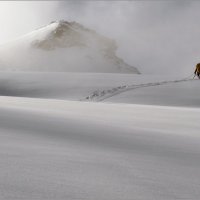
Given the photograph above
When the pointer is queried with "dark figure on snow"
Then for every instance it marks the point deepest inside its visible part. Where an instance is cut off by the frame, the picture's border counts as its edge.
(197, 70)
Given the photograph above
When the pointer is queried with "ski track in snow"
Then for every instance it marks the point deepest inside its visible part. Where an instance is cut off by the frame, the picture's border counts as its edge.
(99, 95)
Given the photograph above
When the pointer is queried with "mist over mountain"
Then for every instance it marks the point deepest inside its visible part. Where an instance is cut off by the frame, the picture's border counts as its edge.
(63, 46)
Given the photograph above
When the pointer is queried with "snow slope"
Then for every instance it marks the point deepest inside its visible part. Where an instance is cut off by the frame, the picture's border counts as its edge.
(121, 88)
(53, 149)
(181, 93)
(63, 46)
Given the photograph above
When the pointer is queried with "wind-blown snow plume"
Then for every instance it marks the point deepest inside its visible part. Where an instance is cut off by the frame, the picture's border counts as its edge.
(63, 46)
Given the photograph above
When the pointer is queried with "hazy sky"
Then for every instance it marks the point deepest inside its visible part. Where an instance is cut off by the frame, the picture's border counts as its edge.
(155, 36)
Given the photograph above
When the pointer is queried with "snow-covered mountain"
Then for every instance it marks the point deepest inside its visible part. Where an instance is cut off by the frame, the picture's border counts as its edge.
(63, 46)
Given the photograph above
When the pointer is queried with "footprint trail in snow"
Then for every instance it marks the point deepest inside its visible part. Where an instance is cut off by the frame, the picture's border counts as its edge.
(100, 95)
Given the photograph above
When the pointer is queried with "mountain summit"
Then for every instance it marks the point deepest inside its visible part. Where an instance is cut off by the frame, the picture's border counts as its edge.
(63, 46)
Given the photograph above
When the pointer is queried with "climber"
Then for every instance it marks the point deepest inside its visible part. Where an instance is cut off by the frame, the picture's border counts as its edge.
(197, 70)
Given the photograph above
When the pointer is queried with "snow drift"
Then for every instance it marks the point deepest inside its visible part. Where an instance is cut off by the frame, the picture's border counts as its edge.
(63, 46)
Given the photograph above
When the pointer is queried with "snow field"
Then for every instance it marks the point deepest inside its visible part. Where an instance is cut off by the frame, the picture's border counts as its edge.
(55, 149)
